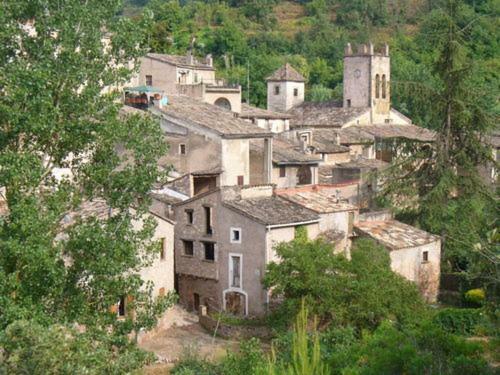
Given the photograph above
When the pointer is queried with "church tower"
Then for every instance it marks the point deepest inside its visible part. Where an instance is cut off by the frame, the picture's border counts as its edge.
(367, 77)
(285, 89)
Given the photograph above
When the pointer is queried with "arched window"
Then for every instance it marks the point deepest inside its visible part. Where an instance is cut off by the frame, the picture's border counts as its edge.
(384, 87)
(377, 86)
(224, 103)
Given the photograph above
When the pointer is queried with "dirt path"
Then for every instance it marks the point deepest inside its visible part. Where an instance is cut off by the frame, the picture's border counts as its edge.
(180, 333)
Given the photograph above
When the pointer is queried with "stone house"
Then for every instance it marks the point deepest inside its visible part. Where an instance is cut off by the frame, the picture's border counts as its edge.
(275, 122)
(189, 76)
(210, 146)
(290, 166)
(223, 241)
(415, 254)
(336, 215)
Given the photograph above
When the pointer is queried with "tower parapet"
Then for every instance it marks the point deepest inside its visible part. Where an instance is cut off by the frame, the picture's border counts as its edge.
(367, 49)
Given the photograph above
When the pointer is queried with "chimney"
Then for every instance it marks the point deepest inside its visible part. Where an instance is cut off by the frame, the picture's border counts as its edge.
(348, 49)
(370, 48)
(337, 139)
(209, 60)
(189, 57)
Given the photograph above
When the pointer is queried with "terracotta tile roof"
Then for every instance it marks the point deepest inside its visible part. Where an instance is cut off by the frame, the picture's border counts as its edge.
(395, 235)
(272, 210)
(318, 201)
(326, 114)
(178, 60)
(286, 73)
(221, 121)
(249, 111)
(388, 131)
(325, 140)
(285, 152)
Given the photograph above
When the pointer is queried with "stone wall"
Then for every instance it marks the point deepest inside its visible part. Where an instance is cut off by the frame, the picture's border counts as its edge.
(228, 331)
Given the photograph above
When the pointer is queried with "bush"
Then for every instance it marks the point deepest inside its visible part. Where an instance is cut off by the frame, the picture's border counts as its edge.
(475, 297)
(460, 321)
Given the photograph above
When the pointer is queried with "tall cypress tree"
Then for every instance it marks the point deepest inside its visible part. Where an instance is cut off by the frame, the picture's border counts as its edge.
(441, 185)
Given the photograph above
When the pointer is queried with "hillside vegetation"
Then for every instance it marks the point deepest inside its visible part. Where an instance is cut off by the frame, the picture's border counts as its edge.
(259, 35)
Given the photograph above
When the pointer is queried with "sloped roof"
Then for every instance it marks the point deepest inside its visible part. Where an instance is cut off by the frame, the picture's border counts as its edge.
(363, 163)
(285, 152)
(318, 201)
(272, 210)
(286, 73)
(395, 235)
(178, 60)
(354, 135)
(249, 111)
(325, 114)
(387, 131)
(209, 116)
(325, 140)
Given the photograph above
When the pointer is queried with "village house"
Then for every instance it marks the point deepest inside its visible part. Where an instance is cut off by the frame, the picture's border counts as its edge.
(415, 254)
(186, 75)
(208, 146)
(225, 238)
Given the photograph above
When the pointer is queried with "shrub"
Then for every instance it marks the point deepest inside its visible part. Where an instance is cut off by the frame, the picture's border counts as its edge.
(460, 321)
(475, 297)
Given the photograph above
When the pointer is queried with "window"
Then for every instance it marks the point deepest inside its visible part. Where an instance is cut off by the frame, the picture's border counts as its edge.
(209, 248)
(348, 102)
(235, 235)
(121, 306)
(182, 149)
(295, 92)
(163, 246)
(235, 271)
(276, 90)
(189, 216)
(241, 180)
(425, 256)
(188, 248)
(282, 171)
(149, 80)
(377, 86)
(208, 220)
(384, 87)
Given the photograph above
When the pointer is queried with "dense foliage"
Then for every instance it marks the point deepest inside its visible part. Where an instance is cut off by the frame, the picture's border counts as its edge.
(59, 132)
(341, 291)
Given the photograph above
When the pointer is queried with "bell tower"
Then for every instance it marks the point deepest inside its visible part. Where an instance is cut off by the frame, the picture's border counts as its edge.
(285, 89)
(367, 77)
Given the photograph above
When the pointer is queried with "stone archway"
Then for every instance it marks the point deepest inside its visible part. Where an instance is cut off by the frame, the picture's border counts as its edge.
(235, 302)
(223, 103)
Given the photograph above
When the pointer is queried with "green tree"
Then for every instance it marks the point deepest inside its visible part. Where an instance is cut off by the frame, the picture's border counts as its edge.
(58, 111)
(360, 292)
